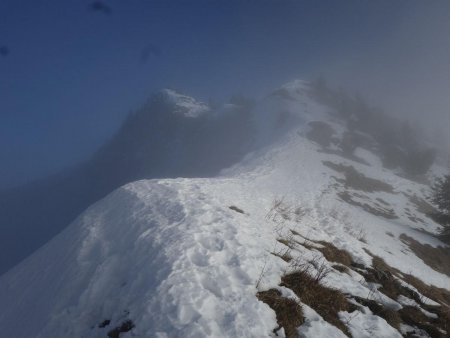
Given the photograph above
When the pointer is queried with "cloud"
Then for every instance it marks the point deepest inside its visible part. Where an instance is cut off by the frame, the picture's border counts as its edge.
(406, 71)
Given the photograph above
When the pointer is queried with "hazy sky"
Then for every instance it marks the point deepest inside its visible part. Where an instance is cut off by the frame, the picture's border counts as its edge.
(72, 74)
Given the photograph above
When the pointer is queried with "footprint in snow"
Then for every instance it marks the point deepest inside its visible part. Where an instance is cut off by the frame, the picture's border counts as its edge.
(211, 243)
(198, 258)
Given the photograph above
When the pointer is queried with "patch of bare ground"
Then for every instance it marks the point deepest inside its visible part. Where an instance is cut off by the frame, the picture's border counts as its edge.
(429, 210)
(439, 295)
(341, 268)
(327, 302)
(351, 139)
(321, 133)
(412, 316)
(415, 219)
(445, 235)
(422, 205)
(288, 312)
(437, 258)
(329, 251)
(126, 326)
(306, 281)
(333, 254)
(390, 277)
(391, 316)
(343, 154)
(324, 135)
(376, 210)
(358, 181)
(384, 275)
(419, 178)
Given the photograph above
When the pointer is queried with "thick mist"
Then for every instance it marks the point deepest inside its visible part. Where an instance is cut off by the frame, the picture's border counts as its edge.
(71, 72)
(407, 70)
(172, 135)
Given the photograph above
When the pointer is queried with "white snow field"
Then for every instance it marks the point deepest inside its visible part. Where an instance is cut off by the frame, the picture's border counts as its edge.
(172, 257)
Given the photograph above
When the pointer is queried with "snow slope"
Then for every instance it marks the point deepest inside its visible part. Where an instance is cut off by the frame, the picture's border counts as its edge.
(174, 258)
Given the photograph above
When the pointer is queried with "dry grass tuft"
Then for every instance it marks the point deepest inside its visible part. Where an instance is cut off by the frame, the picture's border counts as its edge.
(288, 312)
(390, 286)
(387, 276)
(379, 264)
(306, 282)
(327, 302)
(439, 295)
(442, 296)
(333, 254)
(341, 268)
(391, 316)
(328, 250)
(411, 315)
(444, 318)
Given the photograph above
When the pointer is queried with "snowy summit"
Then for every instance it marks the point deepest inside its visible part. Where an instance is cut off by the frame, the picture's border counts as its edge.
(185, 105)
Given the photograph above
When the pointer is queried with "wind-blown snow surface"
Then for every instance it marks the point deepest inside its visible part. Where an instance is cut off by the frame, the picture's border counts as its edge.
(171, 256)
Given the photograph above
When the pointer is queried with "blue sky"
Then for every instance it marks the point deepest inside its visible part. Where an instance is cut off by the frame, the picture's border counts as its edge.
(73, 74)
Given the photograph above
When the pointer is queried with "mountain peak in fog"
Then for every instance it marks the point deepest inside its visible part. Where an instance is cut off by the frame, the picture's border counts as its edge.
(185, 105)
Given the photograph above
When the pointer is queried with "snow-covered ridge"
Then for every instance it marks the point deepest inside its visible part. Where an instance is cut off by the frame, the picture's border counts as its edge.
(185, 105)
(186, 257)
(166, 254)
